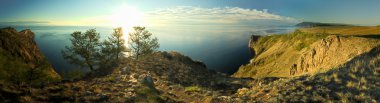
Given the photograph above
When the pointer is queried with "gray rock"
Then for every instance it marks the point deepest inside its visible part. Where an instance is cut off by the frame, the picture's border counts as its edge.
(88, 93)
(147, 80)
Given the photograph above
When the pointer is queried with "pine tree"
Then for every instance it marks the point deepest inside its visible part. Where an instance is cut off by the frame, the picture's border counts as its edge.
(84, 48)
(141, 42)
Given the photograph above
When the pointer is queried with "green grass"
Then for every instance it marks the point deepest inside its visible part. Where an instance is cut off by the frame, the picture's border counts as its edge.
(300, 46)
(14, 70)
(147, 94)
(11, 69)
(193, 89)
(73, 74)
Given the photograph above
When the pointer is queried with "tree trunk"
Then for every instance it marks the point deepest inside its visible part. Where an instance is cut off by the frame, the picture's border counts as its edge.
(89, 65)
(137, 56)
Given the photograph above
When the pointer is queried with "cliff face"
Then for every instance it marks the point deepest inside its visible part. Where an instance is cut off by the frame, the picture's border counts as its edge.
(331, 52)
(20, 44)
(354, 81)
(21, 56)
(252, 41)
(302, 53)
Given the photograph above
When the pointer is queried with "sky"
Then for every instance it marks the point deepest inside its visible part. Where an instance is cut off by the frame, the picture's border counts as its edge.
(187, 12)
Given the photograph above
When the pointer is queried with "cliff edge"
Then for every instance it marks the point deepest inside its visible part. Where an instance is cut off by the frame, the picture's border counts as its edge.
(303, 52)
(20, 59)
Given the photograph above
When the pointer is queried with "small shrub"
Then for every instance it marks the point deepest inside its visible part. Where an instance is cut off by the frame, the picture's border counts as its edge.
(350, 84)
(309, 87)
(300, 46)
(97, 89)
(111, 78)
(353, 76)
(193, 89)
(326, 78)
(73, 75)
(336, 78)
(26, 99)
(363, 80)
(146, 94)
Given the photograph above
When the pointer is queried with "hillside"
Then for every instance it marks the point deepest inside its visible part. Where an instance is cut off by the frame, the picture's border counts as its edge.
(20, 59)
(167, 77)
(303, 52)
(354, 81)
(324, 64)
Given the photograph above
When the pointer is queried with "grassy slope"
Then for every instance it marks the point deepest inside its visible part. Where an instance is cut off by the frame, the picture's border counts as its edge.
(273, 50)
(276, 53)
(9, 65)
(355, 81)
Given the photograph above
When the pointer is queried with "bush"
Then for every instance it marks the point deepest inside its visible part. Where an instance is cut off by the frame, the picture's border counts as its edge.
(73, 75)
(300, 46)
(193, 89)
(146, 94)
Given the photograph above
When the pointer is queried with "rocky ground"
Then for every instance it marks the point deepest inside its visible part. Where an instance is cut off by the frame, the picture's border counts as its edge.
(169, 77)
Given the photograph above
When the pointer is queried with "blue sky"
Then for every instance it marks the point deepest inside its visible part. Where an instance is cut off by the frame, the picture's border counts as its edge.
(96, 12)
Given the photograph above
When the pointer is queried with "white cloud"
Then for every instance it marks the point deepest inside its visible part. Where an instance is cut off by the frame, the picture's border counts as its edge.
(219, 15)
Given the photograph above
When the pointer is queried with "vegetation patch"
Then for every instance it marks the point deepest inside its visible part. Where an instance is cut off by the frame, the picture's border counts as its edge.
(193, 89)
(300, 46)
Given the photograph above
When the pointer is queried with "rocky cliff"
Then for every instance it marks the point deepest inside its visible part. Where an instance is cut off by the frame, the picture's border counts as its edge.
(20, 58)
(332, 51)
(303, 52)
(354, 81)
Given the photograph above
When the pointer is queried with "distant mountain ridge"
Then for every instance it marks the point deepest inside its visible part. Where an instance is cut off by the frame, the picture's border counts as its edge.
(318, 24)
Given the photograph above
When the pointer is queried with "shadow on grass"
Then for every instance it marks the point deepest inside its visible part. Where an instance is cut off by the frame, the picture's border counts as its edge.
(373, 36)
(355, 80)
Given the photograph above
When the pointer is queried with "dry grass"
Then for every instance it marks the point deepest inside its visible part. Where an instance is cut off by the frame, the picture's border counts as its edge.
(275, 53)
(354, 81)
(334, 46)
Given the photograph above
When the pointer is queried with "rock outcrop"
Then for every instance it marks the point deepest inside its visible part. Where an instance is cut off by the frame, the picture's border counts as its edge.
(20, 56)
(252, 41)
(333, 51)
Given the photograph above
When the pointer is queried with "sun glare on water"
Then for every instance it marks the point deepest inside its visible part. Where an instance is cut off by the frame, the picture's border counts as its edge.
(126, 17)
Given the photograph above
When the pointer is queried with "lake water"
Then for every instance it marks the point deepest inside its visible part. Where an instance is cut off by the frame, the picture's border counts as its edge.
(222, 49)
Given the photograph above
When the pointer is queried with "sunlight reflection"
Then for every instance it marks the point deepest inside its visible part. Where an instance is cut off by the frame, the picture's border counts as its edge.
(126, 17)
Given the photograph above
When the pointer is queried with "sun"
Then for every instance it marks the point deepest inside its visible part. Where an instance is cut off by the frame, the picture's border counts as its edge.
(126, 17)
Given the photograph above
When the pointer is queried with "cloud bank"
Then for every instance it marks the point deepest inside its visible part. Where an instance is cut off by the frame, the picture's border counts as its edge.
(24, 23)
(218, 15)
